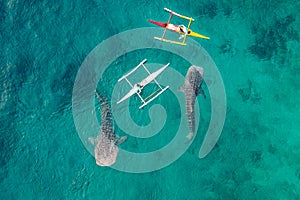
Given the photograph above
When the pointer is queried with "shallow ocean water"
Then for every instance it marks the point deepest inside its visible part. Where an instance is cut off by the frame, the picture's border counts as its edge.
(255, 45)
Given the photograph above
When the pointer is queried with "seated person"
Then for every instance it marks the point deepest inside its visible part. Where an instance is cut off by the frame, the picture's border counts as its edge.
(138, 88)
(183, 31)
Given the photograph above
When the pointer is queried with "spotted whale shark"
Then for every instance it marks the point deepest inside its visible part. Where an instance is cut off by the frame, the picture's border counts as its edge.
(106, 143)
(191, 88)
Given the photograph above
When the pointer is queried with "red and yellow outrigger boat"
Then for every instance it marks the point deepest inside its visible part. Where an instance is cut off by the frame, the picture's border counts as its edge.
(185, 31)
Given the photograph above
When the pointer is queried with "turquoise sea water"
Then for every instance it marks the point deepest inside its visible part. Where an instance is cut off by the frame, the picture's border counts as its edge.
(255, 45)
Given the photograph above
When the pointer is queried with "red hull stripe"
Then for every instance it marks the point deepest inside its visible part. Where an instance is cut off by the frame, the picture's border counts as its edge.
(158, 23)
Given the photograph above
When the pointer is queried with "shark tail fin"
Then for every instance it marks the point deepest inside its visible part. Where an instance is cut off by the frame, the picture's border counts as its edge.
(181, 88)
(120, 140)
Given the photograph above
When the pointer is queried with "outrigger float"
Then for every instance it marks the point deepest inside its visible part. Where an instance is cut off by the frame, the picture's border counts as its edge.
(137, 88)
(177, 28)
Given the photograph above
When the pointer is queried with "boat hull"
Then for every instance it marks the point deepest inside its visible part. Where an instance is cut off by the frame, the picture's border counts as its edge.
(161, 24)
(194, 34)
(190, 32)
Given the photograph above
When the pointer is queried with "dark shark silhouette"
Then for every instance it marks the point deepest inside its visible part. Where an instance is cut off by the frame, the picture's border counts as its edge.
(106, 144)
(191, 88)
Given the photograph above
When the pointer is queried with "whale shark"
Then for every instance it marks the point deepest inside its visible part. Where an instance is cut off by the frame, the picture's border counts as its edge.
(106, 143)
(191, 88)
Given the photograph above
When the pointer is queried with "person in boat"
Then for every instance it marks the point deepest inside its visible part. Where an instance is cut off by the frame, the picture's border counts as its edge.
(172, 27)
(138, 88)
(179, 29)
(183, 31)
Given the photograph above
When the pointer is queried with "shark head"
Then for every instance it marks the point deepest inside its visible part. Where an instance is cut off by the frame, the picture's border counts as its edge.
(193, 81)
(106, 151)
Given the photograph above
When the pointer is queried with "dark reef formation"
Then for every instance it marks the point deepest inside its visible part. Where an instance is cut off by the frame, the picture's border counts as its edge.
(227, 48)
(209, 8)
(271, 40)
(249, 93)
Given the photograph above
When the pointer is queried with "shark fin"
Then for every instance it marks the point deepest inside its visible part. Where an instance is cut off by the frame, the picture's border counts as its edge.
(181, 88)
(200, 91)
(92, 140)
(120, 140)
(190, 136)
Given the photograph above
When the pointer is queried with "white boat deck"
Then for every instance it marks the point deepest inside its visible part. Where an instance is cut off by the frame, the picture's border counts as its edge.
(151, 77)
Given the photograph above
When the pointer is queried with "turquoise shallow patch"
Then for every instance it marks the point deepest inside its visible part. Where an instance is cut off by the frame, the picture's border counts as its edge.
(256, 48)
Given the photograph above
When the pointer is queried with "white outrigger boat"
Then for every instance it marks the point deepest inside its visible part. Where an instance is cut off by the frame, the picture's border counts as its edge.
(137, 88)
